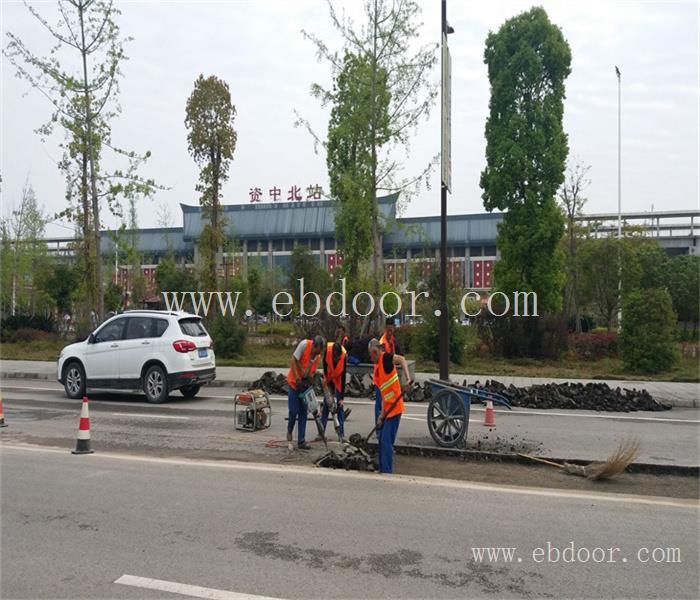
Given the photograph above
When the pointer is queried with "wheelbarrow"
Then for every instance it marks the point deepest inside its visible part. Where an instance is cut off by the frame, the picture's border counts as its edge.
(448, 411)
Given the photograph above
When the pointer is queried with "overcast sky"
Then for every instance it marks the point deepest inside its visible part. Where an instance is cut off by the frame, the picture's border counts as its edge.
(257, 47)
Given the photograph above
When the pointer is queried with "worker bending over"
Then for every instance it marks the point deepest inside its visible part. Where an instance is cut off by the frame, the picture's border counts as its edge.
(334, 385)
(304, 362)
(390, 396)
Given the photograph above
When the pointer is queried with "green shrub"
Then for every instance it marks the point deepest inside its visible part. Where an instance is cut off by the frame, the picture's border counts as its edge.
(426, 340)
(648, 327)
(229, 337)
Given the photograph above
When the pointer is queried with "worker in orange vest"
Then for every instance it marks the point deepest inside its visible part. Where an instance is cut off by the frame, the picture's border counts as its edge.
(388, 391)
(299, 378)
(341, 337)
(388, 341)
(334, 385)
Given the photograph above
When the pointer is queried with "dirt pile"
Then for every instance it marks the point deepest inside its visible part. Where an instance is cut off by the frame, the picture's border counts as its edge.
(581, 396)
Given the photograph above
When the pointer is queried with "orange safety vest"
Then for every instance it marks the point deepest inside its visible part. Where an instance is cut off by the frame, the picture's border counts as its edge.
(345, 341)
(388, 347)
(305, 358)
(334, 373)
(389, 386)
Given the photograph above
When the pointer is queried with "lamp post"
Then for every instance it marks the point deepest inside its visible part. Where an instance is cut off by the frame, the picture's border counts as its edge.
(619, 198)
(445, 185)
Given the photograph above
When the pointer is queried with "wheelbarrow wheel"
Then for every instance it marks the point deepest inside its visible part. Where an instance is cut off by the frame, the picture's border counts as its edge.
(447, 419)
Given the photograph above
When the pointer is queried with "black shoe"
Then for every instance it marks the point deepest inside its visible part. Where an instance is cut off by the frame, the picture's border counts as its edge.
(304, 446)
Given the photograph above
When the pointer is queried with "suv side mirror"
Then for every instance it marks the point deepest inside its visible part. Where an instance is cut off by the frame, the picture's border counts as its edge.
(91, 338)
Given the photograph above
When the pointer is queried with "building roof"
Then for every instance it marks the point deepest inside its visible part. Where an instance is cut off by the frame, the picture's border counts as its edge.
(155, 240)
(312, 219)
(461, 230)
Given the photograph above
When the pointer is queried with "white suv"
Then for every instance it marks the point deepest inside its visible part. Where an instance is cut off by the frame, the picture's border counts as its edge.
(156, 351)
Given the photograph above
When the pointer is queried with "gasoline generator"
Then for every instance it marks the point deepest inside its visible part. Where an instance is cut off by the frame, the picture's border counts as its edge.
(252, 410)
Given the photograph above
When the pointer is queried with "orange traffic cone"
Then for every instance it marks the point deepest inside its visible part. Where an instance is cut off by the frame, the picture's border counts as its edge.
(489, 415)
(83, 444)
(2, 415)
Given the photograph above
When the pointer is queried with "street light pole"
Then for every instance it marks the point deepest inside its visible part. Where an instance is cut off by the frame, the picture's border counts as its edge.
(619, 198)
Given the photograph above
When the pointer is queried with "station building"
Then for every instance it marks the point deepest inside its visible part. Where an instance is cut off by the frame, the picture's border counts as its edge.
(264, 234)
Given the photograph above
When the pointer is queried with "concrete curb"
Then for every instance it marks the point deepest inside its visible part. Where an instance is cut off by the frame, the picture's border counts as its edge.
(437, 452)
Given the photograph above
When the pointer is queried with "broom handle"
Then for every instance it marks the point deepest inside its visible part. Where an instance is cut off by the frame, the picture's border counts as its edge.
(392, 407)
(542, 460)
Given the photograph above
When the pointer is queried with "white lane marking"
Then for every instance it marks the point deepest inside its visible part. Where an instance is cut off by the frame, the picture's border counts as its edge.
(147, 416)
(525, 412)
(390, 479)
(184, 589)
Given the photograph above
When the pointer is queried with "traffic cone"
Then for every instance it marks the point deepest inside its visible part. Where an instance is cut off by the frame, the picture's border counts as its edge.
(83, 444)
(2, 415)
(489, 415)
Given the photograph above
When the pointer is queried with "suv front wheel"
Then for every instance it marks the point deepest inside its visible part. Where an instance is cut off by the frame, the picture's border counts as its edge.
(155, 384)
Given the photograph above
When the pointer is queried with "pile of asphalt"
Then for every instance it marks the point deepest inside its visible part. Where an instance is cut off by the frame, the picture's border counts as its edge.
(597, 396)
(581, 396)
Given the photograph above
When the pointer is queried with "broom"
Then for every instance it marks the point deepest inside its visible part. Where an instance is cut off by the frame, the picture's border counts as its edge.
(625, 454)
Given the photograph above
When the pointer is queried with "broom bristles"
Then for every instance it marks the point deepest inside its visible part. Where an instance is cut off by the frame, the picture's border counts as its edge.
(626, 453)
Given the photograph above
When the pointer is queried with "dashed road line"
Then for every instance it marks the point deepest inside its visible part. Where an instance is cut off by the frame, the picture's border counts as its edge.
(149, 416)
(184, 589)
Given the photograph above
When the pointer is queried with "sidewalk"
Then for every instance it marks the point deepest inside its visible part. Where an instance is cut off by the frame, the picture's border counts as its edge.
(677, 394)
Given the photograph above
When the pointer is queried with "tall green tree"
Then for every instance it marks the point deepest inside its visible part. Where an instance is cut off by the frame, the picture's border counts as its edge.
(83, 88)
(349, 158)
(390, 67)
(211, 140)
(528, 60)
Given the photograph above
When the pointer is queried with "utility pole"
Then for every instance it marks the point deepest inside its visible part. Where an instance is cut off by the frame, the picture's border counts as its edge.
(619, 199)
(445, 185)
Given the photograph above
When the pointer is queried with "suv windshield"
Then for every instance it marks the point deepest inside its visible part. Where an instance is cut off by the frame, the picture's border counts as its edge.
(192, 327)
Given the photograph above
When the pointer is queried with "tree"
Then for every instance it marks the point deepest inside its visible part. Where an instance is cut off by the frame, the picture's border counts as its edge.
(211, 140)
(24, 252)
(528, 60)
(83, 93)
(683, 281)
(600, 274)
(349, 158)
(392, 69)
(653, 262)
(61, 286)
(648, 327)
(572, 201)
(172, 277)
(303, 264)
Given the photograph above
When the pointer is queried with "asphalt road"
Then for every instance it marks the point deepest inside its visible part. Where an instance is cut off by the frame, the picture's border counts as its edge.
(72, 526)
(39, 412)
